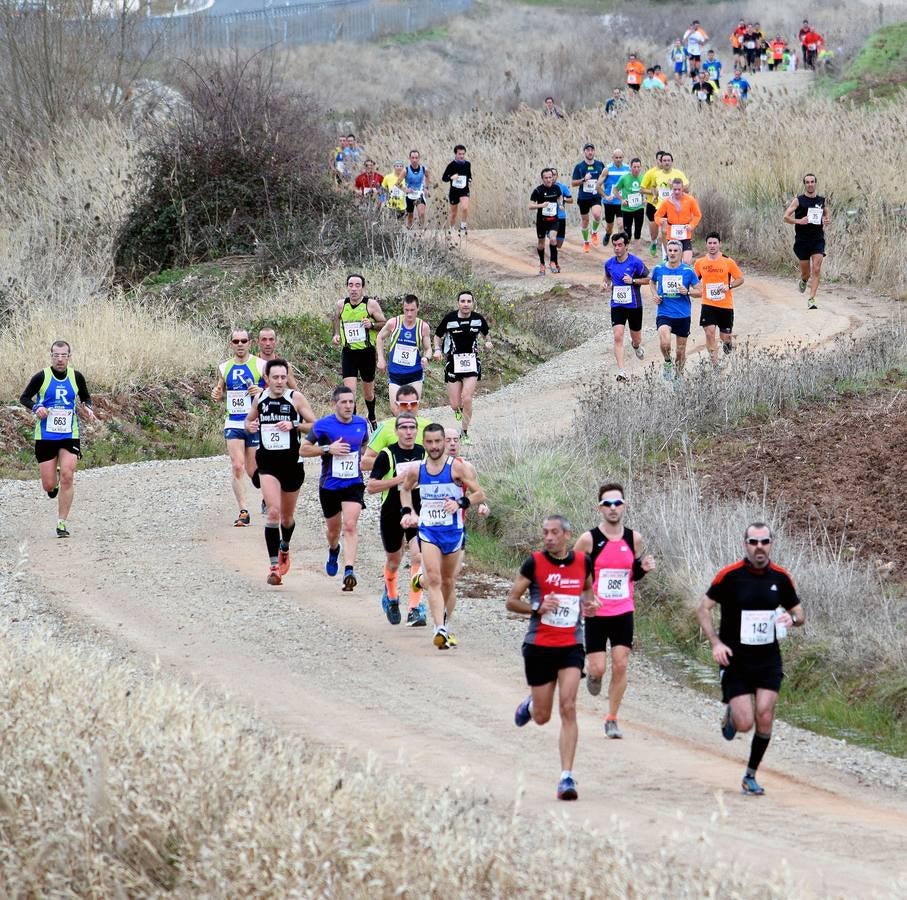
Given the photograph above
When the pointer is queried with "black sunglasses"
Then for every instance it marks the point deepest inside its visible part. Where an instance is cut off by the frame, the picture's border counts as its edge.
(762, 542)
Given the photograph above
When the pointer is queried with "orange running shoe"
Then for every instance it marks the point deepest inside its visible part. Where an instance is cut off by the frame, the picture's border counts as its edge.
(585, 247)
(595, 238)
(283, 562)
(274, 576)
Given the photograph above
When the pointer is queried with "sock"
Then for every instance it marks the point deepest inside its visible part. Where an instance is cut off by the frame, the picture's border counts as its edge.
(347, 569)
(272, 542)
(390, 582)
(370, 406)
(462, 226)
(554, 254)
(585, 233)
(541, 254)
(415, 597)
(286, 532)
(610, 718)
(255, 479)
(595, 226)
(757, 751)
(566, 773)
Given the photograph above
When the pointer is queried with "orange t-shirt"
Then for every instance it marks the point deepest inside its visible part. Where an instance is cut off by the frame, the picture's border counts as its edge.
(635, 72)
(715, 272)
(689, 215)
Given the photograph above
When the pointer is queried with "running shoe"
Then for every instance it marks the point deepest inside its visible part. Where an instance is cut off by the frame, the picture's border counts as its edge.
(465, 440)
(274, 576)
(727, 725)
(668, 370)
(811, 303)
(542, 270)
(416, 617)
(611, 729)
(56, 488)
(458, 415)
(750, 786)
(586, 247)
(640, 351)
(566, 789)
(727, 346)
(595, 238)
(653, 247)
(451, 641)
(349, 579)
(594, 685)
(373, 424)
(391, 608)
(555, 268)
(416, 584)
(440, 639)
(622, 375)
(62, 530)
(464, 228)
(243, 519)
(801, 286)
(332, 566)
(283, 559)
(522, 715)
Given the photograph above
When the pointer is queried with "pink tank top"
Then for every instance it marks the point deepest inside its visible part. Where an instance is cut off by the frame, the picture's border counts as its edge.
(612, 578)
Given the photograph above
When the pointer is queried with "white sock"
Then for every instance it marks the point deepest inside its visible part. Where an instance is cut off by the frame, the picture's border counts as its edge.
(566, 774)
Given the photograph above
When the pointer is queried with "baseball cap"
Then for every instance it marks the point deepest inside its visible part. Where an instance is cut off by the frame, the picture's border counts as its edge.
(588, 146)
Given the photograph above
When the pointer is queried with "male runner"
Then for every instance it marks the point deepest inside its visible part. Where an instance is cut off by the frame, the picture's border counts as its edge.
(239, 381)
(607, 180)
(459, 175)
(618, 560)
(278, 415)
(656, 185)
(624, 273)
(695, 37)
(386, 433)
(417, 184)
(547, 200)
(51, 395)
(409, 348)
(559, 582)
(393, 186)
(357, 319)
(586, 174)
(702, 89)
(457, 337)
(712, 68)
(719, 275)
(678, 216)
(671, 283)
(388, 472)
(339, 440)
(740, 85)
(808, 213)
(635, 72)
(448, 487)
(628, 190)
(755, 596)
(562, 211)
(677, 56)
(267, 351)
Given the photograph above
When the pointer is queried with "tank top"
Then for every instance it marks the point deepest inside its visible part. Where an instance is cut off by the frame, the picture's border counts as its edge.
(353, 334)
(612, 574)
(565, 578)
(809, 232)
(433, 491)
(58, 396)
(403, 349)
(415, 182)
(271, 410)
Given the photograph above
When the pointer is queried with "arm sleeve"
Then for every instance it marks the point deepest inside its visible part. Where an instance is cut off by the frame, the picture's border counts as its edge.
(27, 399)
(381, 466)
(527, 570)
(446, 175)
(82, 388)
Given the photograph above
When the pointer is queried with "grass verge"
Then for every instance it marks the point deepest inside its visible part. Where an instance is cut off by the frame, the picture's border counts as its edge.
(878, 71)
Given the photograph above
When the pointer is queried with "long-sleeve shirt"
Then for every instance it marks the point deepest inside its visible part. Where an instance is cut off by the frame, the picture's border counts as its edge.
(27, 399)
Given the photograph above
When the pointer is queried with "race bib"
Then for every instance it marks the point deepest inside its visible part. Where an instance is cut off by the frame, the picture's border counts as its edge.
(671, 284)
(405, 355)
(679, 232)
(402, 468)
(664, 193)
(339, 166)
(396, 193)
(590, 186)
(366, 191)
(634, 200)
(346, 466)
(272, 438)
(613, 585)
(814, 215)
(354, 332)
(464, 363)
(750, 45)
(549, 210)
(434, 513)
(715, 291)
(458, 181)
(757, 627)
(621, 293)
(566, 614)
(632, 78)
(810, 46)
(59, 421)
(413, 195)
(239, 402)
(701, 95)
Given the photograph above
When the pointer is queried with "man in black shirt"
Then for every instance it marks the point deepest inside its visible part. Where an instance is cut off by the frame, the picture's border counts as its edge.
(808, 213)
(750, 592)
(459, 175)
(547, 199)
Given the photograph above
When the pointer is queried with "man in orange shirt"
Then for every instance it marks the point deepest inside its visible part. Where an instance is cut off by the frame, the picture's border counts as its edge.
(678, 217)
(776, 48)
(718, 274)
(636, 71)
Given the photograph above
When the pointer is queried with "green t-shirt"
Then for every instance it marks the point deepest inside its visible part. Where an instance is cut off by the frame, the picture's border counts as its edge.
(386, 433)
(629, 187)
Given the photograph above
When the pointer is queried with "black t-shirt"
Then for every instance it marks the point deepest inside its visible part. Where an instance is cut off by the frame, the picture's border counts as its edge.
(543, 194)
(461, 335)
(705, 88)
(744, 592)
(386, 464)
(808, 232)
(456, 167)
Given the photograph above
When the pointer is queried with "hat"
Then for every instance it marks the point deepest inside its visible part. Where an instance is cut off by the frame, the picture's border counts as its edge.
(588, 146)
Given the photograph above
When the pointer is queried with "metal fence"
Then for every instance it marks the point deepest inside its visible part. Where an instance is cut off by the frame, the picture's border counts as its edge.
(302, 23)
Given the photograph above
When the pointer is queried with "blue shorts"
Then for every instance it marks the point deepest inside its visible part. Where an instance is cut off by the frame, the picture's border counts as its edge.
(678, 68)
(401, 378)
(240, 434)
(680, 327)
(447, 543)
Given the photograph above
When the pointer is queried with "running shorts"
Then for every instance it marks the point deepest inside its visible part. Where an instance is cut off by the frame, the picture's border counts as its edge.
(622, 315)
(399, 379)
(250, 439)
(612, 211)
(455, 195)
(717, 315)
(450, 376)
(412, 204)
(561, 229)
(332, 500)
(679, 327)
(543, 663)
(48, 450)
(392, 532)
(446, 543)
(544, 227)
(289, 473)
(586, 205)
(803, 250)
(602, 629)
(740, 679)
(650, 212)
(358, 363)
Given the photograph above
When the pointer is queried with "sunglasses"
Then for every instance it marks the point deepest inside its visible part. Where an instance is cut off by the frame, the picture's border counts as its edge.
(239, 341)
(406, 427)
(408, 404)
(761, 542)
(611, 504)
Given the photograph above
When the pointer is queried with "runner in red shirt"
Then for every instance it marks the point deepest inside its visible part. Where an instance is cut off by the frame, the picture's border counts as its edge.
(368, 182)
(812, 44)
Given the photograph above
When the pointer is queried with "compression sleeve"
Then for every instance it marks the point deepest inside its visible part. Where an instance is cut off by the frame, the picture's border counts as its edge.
(82, 389)
(31, 390)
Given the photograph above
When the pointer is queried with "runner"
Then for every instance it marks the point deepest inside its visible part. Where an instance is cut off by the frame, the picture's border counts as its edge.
(624, 273)
(813, 42)
(671, 283)
(387, 474)
(712, 68)
(267, 351)
(618, 559)
(678, 216)
(407, 335)
(353, 157)
(777, 46)
(586, 175)
(606, 181)
(551, 110)
(459, 174)
(805, 29)
(559, 582)
(357, 319)
(51, 395)
(740, 85)
(417, 184)
(751, 46)
(729, 98)
(448, 487)
(339, 440)
(656, 185)
(758, 604)
(651, 82)
(808, 213)
(239, 381)
(393, 186)
(695, 37)
(615, 103)
(719, 275)
(737, 48)
(562, 211)
(278, 415)
(547, 200)
(632, 203)
(368, 182)
(635, 72)
(677, 56)
(386, 433)
(702, 89)
(457, 337)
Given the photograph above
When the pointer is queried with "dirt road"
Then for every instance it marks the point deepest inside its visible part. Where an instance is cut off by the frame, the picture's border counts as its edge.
(154, 562)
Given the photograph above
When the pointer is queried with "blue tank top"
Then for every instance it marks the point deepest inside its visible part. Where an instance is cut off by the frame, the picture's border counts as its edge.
(403, 350)
(415, 180)
(238, 378)
(434, 490)
(58, 396)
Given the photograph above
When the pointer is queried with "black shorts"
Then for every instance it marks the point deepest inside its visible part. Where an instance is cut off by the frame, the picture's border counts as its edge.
(803, 250)
(679, 327)
(717, 315)
(627, 315)
(612, 211)
(46, 450)
(744, 678)
(586, 205)
(332, 500)
(358, 363)
(543, 663)
(544, 227)
(602, 629)
(399, 379)
(634, 87)
(450, 376)
(632, 222)
(561, 229)
(650, 212)
(412, 204)
(289, 473)
(456, 194)
(392, 532)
